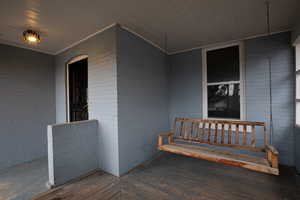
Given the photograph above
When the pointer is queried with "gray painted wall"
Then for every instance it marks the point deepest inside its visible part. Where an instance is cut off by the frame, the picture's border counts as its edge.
(27, 104)
(186, 93)
(278, 48)
(296, 34)
(142, 99)
(102, 90)
(185, 85)
(72, 150)
(296, 40)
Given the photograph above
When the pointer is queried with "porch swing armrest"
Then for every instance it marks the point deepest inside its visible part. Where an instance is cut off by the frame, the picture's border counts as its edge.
(270, 148)
(272, 156)
(160, 138)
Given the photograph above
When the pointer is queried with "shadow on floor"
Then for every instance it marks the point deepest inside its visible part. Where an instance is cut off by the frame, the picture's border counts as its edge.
(23, 181)
(176, 177)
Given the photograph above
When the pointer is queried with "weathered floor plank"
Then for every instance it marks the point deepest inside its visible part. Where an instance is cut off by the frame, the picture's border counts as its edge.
(172, 176)
(24, 181)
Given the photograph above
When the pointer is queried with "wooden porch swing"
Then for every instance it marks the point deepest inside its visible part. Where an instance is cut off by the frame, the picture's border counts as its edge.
(231, 134)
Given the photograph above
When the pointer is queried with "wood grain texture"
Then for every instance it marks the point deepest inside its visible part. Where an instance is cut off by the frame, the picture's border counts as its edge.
(222, 156)
(192, 129)
(186, 133)
(248, 148)
(223, 134)
(96, 186)
(252, 136)
(203, 129)
(208, 132)
(181, 127)
(175, 177)
(237, 134)
(216, 134)
(233, 141)
(230, 134)
(24, 181)
(244, 135)
(197, 129)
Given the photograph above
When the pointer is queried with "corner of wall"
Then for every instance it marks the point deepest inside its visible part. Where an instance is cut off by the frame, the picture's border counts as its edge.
(140, 72)
(296, 35)
(117, 63)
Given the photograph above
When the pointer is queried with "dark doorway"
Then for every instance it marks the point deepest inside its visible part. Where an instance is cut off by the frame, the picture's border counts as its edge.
(78, 85)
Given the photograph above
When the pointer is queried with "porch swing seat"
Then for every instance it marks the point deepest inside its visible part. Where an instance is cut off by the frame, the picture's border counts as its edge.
(229, 134)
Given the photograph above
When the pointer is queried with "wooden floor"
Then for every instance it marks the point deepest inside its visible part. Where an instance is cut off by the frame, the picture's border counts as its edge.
(23, 181)
(176, 177)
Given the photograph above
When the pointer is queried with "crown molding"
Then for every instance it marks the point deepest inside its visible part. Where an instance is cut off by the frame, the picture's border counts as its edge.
(230, 41)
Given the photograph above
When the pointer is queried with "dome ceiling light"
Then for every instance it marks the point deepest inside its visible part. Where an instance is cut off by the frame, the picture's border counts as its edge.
(31, 37)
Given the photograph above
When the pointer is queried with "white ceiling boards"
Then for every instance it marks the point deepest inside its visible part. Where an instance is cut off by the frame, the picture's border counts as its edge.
(187, 23)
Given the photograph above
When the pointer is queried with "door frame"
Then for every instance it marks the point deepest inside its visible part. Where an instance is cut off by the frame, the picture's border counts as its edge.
(71, 61)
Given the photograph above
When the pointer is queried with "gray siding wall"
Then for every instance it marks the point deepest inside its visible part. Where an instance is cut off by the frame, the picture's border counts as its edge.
(27, 104)
(142, 99)
(296, 40)
(102, 90)
(186, 93)
(185, 85)
(278, 48)
(72, 150)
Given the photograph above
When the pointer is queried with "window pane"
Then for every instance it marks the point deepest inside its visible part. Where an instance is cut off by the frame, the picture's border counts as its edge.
(224, 101)
(297, 57)
(298, 86)
(223, 65)
(298, 113)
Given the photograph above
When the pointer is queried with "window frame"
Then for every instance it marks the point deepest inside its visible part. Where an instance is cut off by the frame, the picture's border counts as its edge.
(297, 72)
(241, 45)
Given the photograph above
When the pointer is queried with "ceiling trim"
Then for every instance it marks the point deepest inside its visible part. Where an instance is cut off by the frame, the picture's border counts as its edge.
(230, 41)
(25, 47)
(86, 38)
(140, 36)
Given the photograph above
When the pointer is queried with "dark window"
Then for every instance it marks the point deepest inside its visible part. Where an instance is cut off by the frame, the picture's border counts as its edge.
(223, 65)
(224, 101)
(223, 83)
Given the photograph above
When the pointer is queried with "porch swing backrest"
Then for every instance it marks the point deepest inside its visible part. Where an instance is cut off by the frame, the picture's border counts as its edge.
(233, 134)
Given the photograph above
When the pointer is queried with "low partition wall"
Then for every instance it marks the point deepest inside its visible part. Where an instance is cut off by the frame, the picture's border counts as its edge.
(72, 150)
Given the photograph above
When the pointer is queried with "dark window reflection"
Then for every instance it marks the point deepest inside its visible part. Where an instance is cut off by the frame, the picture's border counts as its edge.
(224, 101)
(223, 65)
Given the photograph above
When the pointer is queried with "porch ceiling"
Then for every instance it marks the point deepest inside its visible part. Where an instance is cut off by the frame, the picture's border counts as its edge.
(188, 23)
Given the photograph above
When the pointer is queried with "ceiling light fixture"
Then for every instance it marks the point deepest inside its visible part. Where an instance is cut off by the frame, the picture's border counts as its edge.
(31, 37)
